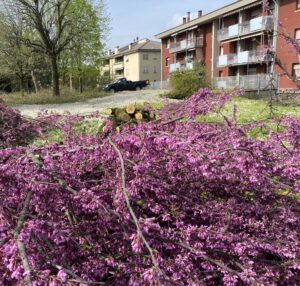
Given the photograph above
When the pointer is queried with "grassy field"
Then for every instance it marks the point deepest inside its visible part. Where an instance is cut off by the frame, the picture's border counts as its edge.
(248, 110)
(251, 110)
(46, 97)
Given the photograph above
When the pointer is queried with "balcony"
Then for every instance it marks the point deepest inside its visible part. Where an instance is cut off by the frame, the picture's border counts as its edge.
(244, 58)
(186, 45)
(118, 65)
(247, 82)
(106, 68)
(255, 25)
(181, 66)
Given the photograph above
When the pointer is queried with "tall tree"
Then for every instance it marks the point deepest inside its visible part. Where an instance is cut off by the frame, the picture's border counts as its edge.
(53, 22)
(14, 55)
(85, 50)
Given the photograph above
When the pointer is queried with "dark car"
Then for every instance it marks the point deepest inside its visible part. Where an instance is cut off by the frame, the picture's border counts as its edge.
(124, 84)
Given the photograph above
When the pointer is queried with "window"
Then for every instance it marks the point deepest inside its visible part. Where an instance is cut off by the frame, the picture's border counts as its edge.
(154, 70)
(167, 62)
(298, 4)
(146, 69)
(297, 36)
(296, 70)
(145, 57)
(168, 44)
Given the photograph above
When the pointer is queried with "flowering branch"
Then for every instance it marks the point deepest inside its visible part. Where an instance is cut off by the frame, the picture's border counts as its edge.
(20, 244)
(133, 215)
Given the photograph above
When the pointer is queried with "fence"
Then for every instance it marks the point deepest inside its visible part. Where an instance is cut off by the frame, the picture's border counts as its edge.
(248, 82)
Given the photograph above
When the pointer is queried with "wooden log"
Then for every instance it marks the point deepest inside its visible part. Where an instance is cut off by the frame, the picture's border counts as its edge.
(125, 117)
(122, 115)
(138, 116)
(152, 115)
(109, 111)
(130, 109)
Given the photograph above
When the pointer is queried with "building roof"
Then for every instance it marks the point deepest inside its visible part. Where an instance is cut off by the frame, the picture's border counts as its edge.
(141, 45)
(240, 4)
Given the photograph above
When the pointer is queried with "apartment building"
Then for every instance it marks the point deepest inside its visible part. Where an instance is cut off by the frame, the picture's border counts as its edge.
(235, 42)
(140, 60)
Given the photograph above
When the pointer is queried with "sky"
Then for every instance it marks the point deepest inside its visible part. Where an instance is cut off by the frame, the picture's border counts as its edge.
(146, 18)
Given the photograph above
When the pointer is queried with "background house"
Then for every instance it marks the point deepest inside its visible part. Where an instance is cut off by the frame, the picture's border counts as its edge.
(140, 60)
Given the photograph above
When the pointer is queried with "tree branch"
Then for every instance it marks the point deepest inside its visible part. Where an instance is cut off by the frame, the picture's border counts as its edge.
(135, 219)
(20, 244)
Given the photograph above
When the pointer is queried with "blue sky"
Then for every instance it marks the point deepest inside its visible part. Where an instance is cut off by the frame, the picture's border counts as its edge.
(145, 18)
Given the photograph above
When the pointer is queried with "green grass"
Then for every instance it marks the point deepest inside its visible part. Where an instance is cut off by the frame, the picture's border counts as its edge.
(248, 110)
(46, 97)
(251, 110)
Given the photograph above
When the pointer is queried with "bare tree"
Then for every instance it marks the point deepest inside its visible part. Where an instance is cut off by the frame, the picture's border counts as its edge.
(51, 23)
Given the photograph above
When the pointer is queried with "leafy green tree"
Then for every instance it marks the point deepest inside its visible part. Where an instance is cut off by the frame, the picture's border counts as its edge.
(82, 58)
(55, 24)
(14, 54)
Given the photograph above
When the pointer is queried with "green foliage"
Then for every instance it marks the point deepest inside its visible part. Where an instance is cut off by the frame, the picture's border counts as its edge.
(65, 38)
(185, 83)
(82, 58)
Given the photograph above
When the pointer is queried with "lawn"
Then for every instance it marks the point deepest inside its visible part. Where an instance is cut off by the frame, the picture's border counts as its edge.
(248, 110)
(46, 97)
(251, 110)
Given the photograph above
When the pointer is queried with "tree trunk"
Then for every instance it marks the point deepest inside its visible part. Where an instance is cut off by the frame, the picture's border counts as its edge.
(21, 85)
(55, 76)
(80, 84)
(34, 82)
(71, 82)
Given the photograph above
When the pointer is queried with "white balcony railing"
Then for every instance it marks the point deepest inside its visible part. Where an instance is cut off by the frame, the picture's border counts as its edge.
(257, 24)
(247, 82)
(186, 45)
(181, 66)
(245, 57)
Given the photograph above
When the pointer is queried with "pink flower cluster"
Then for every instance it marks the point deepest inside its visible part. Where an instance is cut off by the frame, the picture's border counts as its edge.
(216, 206)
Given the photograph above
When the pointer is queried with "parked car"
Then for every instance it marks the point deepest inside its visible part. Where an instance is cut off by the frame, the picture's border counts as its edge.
(124, 84)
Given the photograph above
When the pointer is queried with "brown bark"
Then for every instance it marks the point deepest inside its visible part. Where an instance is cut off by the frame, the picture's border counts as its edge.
(34, 81)
(55, 76)
(71, 82)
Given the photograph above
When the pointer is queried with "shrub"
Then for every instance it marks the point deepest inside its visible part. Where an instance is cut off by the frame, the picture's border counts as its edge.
(184, 83)
(159, 203)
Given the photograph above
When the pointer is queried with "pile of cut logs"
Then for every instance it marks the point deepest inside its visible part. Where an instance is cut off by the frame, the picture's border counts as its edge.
(131, 114)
